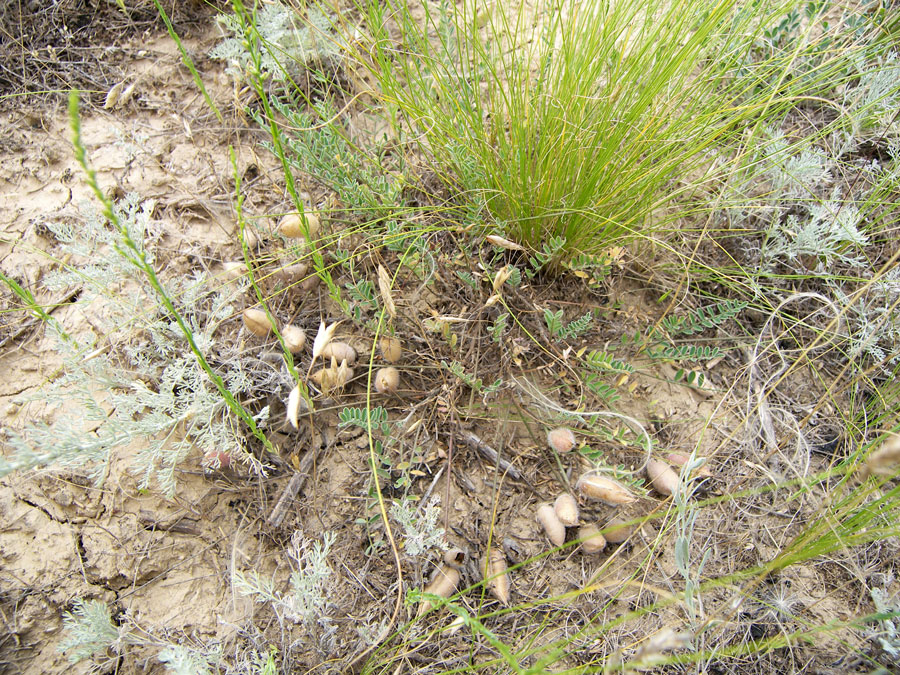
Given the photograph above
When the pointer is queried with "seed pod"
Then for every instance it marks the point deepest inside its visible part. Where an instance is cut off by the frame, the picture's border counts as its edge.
(234, 270)
(292, 225)
(616, 531)
(443, 584)
(662, 477)
(387, 380)
(566, 509)
(294, 338)
(341, 351)
(291, 274)
(562, 439)
(591, 539)
(251, 238)
(257, 322)
(499, 585)
(605, 489)
(391, 348)
(454, 557)
(556, 531)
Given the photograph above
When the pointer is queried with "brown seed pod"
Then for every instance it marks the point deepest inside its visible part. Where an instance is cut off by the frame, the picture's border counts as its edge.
(294, 338)
(562, 439)
(605, 489)
(257, 322)
(499, 585)
(291, 274)
(391, 348)
(387, 380)
(556, 531)
(566, 509)
(591, 539)
(454, 557)
(291, 225)
(443, 584)
(662, 477)
(616, 531)
(341, 351)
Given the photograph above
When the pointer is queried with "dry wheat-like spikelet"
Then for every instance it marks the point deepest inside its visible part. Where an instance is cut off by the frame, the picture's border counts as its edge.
(293, 407)
(323, 337)
(384, 286)
(885, 461)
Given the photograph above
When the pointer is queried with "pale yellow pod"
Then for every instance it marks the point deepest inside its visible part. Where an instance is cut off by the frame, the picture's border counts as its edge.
(294, 338)
(443, 584)
(339, 350)
(251, 238)
(566, 509)
(391, 348)
(257, 322)
(499, 584)
(291, 225)
(662, 477)
(387, 380)
(591, 539)
(234, 270)
(553, 527)
(616, 531)
(562, 439)
(605, 489)
(291, 274)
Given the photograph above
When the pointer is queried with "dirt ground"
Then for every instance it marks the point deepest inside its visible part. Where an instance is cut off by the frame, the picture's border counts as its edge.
(167, 563)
